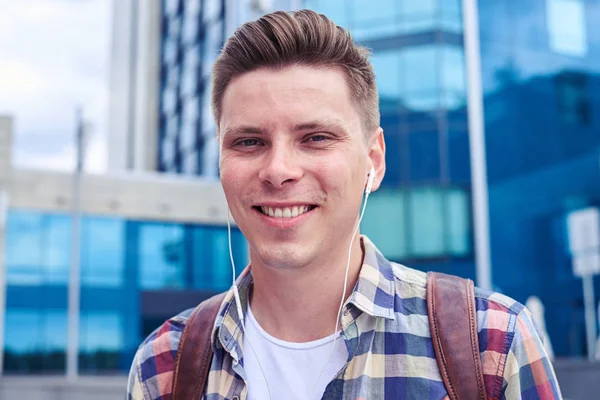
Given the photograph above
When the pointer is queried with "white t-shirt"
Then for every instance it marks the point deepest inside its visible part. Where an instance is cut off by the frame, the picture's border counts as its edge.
(291, 369)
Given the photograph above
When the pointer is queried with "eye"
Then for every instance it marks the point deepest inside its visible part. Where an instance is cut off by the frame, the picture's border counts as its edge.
(317, 138)
(248, 143)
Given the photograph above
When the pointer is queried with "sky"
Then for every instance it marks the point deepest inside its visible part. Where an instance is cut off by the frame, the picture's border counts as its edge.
(54, 57)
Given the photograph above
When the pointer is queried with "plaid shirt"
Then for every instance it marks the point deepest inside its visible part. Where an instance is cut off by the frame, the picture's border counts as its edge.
(386, 331)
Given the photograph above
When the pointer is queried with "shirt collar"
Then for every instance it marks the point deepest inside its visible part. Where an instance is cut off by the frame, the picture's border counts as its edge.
(373, 294)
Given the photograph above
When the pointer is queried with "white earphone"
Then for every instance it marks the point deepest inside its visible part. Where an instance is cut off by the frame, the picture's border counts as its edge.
(370, 181)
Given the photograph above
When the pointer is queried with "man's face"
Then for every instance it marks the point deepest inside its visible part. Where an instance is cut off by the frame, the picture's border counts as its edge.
(294, 162)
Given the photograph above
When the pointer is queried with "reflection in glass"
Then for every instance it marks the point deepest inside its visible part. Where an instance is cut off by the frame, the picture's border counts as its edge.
(427, 222)
(567, 28)
(458, 214)
(102, 248)
(390, 238)
(161, 255)
(35, 341)
(100, 341)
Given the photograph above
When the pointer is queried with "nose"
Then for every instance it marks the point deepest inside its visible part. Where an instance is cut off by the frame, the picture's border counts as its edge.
(281, 166)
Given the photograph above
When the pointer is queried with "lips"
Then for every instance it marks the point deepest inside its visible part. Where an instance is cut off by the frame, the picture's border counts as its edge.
(285, 212)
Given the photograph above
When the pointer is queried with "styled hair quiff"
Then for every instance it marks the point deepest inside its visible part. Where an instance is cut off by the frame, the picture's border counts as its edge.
(306, 38)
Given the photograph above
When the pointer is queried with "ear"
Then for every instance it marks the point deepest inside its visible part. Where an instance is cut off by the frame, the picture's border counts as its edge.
(377, 156)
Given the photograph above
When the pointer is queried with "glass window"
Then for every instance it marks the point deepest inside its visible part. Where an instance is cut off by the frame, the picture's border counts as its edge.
(169, 100)
(427, 222)
(212, 10)
(38, 248)
(336, 10)
(189, 81)
(390, 237)
(169, 51)
(382, 11)
(208, 120)
(191, 58)
(388, 76)
(452, 15)
(162, 256)
(172, 6)
(192, 7)
(57, 248)
(453, 69)
(567, 28)
(35, 341)
(211, 46)
(459, 222)
(24, 248)
(188, 136)
(424, 155)
(174, 26)
(190, 28)
(421, 69)
(172, 126)
(374, 19)
(191, 109)
(210, 157)
(419, 15)
(190, 163)
(573, 98)
(172, 75)
(100, 341)
(168, 150)
(211, 264)
(102, 252)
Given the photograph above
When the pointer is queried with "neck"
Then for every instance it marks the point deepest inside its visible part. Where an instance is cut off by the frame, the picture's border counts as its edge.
(301, 305)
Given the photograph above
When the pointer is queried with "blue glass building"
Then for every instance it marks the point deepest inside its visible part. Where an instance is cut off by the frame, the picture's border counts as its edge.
(541, 83)
(540, 64)
(134, 275)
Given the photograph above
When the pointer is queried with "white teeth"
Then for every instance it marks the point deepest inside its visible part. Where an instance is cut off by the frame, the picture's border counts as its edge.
(284, 212)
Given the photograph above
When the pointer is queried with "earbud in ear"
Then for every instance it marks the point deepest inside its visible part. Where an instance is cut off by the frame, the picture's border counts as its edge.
(370, 181)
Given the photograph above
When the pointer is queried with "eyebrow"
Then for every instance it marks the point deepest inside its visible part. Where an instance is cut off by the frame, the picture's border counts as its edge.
(319, 124)
(243, 129)
(304, 126)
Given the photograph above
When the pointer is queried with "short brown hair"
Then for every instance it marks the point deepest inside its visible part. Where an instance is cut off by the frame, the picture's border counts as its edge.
(304, 37)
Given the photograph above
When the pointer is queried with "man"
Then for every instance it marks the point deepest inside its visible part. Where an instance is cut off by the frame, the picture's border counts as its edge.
(298, 124)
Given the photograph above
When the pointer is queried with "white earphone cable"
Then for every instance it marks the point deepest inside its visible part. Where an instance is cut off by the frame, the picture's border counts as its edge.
(338, 315)
(238, 305)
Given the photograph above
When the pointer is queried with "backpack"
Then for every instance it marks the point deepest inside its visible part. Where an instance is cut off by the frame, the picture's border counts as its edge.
(452, 322)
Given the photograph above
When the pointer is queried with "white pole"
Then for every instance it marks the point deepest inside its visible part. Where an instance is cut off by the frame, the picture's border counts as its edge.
(3, 216)
(590, 315)
(75, 267)
(477, 144)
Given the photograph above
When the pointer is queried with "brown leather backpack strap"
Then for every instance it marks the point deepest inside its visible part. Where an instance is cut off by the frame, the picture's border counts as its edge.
(194, 353)
(453, 325)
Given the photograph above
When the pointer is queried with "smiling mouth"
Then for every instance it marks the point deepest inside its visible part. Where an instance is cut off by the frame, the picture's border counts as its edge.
(286, 212)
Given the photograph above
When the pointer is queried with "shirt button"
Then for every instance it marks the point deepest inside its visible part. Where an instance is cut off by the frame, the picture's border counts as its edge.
(235, 398)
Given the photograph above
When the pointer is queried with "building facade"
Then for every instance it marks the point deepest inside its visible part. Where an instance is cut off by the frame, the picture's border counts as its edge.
(540, 61)
(193, 32)
(541, 81)
(150, 246)
(134, 86)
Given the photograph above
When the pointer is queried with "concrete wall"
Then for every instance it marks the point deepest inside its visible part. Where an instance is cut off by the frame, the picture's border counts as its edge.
(140, 196)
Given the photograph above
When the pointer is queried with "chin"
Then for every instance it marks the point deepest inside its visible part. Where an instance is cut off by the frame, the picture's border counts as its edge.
(283, 256)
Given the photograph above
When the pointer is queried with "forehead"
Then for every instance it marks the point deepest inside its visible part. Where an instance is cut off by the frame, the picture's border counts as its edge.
(288, 96)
